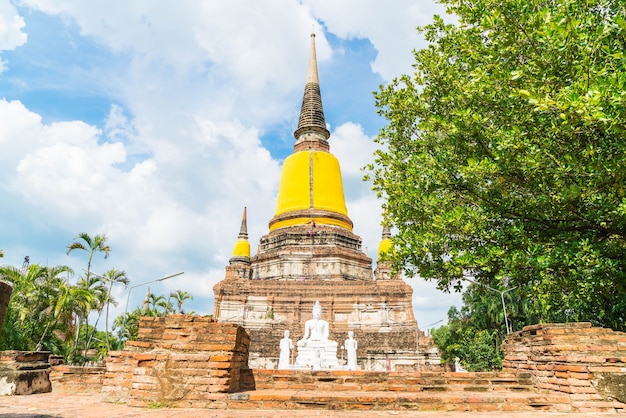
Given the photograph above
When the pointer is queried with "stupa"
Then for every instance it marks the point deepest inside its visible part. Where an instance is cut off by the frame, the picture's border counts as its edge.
(312, 254)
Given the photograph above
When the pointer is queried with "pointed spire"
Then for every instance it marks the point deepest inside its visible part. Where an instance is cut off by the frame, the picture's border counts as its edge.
(241, 252)
(243, 231)
(385, 248)
(312, 113)
(311, 75)
(385, 244)
(386, 232)
(146, 301)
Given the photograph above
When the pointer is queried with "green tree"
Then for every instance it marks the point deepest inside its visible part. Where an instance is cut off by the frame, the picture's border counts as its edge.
(112, 277)
(91, 245)
(40, 312)
(180, 296)
(92, 298)
(128, 324)
(476, 349)
(158, 305)
(504, 157)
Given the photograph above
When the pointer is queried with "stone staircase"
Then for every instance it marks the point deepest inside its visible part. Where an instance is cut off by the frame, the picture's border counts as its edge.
(352, 390)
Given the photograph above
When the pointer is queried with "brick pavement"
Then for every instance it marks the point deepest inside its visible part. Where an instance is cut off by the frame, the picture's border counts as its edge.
(54, 405)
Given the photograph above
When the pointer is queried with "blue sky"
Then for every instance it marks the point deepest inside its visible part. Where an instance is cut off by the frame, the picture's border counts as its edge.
(157, 122)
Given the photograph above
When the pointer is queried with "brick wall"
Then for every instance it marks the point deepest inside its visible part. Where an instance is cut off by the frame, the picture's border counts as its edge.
(179, 360)
(76, 379)
(24, 372)
(356, 381)
(588, 363)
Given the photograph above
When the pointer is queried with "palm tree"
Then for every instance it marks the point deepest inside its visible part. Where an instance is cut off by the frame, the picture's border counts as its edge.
(157, 305)
(180, 296)
(91, 245)
(113, 277)
(40, 306)
(94, 298)
(128, 324)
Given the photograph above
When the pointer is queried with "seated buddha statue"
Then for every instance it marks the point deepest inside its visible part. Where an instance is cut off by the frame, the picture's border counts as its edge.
(315, 350)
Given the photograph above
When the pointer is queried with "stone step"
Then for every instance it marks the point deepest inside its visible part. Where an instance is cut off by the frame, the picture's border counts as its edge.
(383, 400)
(383, 381)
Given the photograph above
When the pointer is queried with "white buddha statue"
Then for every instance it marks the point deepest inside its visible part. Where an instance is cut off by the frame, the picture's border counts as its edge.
(315, 350)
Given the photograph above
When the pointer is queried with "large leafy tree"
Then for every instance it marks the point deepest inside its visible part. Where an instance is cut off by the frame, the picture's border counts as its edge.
(505, 155)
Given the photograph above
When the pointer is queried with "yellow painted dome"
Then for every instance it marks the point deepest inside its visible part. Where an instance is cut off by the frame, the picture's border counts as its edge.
(242, 249)
(311, 181)
(384, 247)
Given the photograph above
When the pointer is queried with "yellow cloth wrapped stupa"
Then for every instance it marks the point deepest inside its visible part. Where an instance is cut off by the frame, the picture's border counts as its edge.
(311, 188)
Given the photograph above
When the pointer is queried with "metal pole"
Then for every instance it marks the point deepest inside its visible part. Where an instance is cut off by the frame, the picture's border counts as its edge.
(506, 320)
(130, 289)
(502, 292)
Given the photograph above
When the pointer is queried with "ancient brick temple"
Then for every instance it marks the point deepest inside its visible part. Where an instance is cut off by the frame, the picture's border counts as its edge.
(311, 253)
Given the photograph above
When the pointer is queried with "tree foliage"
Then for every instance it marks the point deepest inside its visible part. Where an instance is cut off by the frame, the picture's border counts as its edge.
(40, 311)
(476, 349)
(47, 312)
(504, 157)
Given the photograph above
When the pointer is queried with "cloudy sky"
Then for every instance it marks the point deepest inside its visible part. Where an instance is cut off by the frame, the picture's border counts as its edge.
(155, 122)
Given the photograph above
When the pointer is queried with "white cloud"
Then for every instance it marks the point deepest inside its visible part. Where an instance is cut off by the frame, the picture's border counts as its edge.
(11, 25)
(389, 26)
(224, 57)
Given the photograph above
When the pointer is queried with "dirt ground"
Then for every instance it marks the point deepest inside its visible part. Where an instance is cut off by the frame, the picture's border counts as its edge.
(49, 405)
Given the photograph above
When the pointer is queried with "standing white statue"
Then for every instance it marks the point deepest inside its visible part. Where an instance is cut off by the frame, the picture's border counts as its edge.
(315, 350)
(351, 345)
(286, 346)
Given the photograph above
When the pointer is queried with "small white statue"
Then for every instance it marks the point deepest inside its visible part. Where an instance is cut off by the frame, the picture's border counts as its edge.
(286, 346)
(351, 345)
(457, 365)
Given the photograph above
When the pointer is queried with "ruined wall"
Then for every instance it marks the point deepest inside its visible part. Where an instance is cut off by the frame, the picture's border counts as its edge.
(24, 372)
(76, 379)
(179, 360)
(588, 363)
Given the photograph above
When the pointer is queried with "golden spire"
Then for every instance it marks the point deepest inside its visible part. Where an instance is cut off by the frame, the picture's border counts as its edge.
(241, 252)
(385, 244)
(311, 188)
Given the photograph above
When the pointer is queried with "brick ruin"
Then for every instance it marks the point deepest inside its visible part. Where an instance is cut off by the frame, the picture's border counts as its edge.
(587, 363)
(192, 362)
(24, 372)
(379, 312)
(178, 361)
